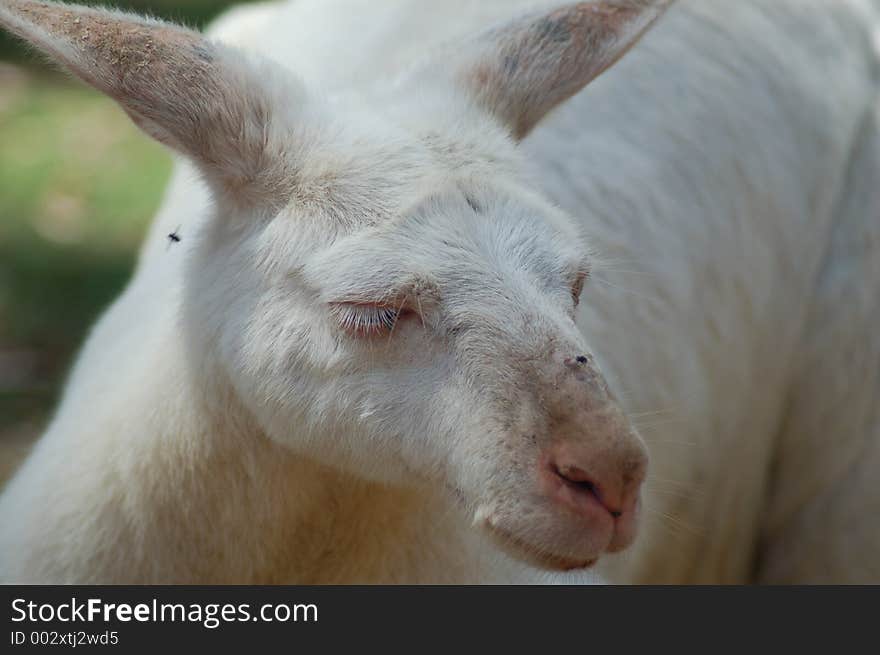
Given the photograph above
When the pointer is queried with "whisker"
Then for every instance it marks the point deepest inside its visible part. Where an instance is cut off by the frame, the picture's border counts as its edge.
(624, 271)
(621, 289)
(672, 493)
(654, 478)
(676, 522)
(421, 313)
(652, 427)
(669, 442)
(394, 324)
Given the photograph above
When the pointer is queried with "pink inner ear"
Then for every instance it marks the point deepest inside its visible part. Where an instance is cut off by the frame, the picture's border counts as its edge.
(154, 130)
(533, 64)
(613, 14)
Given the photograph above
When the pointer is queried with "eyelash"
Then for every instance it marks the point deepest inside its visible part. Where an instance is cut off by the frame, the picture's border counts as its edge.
(379, 320)
(368, 320)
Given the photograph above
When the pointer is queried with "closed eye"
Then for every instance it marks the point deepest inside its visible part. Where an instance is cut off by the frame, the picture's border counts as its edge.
(369, 320)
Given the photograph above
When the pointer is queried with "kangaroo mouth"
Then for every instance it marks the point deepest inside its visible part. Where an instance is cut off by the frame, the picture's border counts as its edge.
(533, 554)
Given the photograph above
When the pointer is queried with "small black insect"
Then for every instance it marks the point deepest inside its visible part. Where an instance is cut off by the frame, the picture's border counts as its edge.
(174, 237)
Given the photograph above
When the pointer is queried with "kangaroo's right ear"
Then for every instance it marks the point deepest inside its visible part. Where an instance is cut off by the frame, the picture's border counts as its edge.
(521, 70)
(203, 99)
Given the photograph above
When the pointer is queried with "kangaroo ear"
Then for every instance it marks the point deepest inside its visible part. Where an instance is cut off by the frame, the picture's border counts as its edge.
(522, 70)
(202, 99)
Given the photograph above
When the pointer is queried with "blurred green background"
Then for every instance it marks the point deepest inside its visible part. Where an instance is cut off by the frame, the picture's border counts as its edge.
(78, 187)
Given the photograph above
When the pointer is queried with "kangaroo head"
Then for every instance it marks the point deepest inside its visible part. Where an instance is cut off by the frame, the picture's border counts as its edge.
(379, 281)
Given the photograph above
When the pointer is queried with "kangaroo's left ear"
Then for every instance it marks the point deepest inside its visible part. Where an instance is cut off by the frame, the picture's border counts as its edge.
(202, 99)
(522, 70)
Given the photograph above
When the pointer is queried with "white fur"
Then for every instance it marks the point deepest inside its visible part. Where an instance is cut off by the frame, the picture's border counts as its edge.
(719, 172)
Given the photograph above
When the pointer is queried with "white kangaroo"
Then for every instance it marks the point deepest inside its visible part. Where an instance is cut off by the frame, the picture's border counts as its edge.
(366, 359)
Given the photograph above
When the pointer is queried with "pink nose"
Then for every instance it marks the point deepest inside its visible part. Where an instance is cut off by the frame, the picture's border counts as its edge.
(602, 484)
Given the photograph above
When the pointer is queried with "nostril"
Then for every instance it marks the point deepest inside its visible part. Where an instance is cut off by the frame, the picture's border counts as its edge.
(577, 363)
(575, 475)
(583, 485)
(580, 481)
